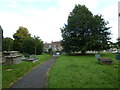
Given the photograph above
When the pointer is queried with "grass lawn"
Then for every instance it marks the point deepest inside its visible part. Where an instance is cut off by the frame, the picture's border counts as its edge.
(18, 70)
(83, 72)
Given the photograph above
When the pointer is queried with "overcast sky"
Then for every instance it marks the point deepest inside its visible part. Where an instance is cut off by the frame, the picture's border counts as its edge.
(44, 18)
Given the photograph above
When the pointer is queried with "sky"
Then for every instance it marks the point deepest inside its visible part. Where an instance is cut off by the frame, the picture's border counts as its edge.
(44, 18)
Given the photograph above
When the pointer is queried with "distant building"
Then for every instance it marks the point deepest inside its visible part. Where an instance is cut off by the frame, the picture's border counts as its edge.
(53, 46)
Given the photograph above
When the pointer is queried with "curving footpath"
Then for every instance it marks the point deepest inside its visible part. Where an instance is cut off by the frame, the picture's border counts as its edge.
(37, 77)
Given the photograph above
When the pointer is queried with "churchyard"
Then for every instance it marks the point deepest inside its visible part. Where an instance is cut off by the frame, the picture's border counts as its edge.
(83, 71)
(83, 32)
(75, 71)
(12, 73)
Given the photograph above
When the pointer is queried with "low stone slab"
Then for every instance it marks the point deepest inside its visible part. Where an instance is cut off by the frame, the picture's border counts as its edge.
(10, 60)
(31, 59)
(105, 61)
(117, 56)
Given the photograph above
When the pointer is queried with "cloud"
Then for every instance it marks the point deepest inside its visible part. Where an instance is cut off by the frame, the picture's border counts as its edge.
(12, 5)
(110, 14)
(10, 22)
(47, 23)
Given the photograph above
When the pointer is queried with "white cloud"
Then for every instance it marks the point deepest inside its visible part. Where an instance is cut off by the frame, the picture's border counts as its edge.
(110, 14)
(12, 5)
(41, 23)
(10, 22)
(47, 23)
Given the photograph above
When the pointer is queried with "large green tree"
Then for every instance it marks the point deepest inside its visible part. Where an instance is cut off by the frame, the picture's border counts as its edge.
(38, 45)
(7, 44)
(28, 46)
(21, 34)
(84, 31)
(32, 45)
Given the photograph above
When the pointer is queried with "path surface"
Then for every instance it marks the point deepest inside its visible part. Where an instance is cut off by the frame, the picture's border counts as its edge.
(37, 77)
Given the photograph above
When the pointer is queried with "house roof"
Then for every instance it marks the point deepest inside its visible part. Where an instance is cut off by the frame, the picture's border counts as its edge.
(57, 43)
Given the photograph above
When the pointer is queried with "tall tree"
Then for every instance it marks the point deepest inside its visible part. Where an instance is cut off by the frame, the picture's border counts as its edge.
(84, 31)
(7, 44)
(32, 45)
(21, 34)
(28, 45)
(38, 45)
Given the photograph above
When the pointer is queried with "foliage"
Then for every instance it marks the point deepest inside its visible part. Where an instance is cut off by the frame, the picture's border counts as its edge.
(83, 72)
(28, 46)
(118, 43)
(113, 45)
(84, 31)
(32, 45)
(7, 44)
(38, 45)
(21, 34)
(25, 43)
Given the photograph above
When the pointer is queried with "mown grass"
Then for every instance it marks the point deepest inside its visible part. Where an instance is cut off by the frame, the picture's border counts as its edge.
(18, 70)
(83, 72)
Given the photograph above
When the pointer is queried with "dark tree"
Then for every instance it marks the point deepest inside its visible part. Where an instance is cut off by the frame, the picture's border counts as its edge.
(28, 46)
(84, 31)
(7, 44)
(32, 45)
(38, 45)
(21, 34)
(118, 43)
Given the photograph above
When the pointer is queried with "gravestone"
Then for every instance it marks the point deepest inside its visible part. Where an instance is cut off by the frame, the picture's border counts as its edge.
(117, 56)
(97, 56)
(105, 61)
(11, 57)
(27, 55)
(30, 59)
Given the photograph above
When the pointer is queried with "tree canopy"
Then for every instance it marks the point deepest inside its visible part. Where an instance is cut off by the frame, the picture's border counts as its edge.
(21, 34)
(38, 45)
(23, 42)
(85, 31)
(118, 43)
(32, 45)
(7, 44)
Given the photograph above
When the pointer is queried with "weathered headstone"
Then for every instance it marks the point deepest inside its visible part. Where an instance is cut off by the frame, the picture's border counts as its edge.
(97, 56)
(105, 61)
(117, 56)
(11, 58)
(30, 59)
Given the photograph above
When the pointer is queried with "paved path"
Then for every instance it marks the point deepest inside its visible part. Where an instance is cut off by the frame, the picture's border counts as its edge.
(37, 77)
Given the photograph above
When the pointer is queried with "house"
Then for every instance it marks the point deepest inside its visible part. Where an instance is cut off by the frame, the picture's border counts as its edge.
(53, 46)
